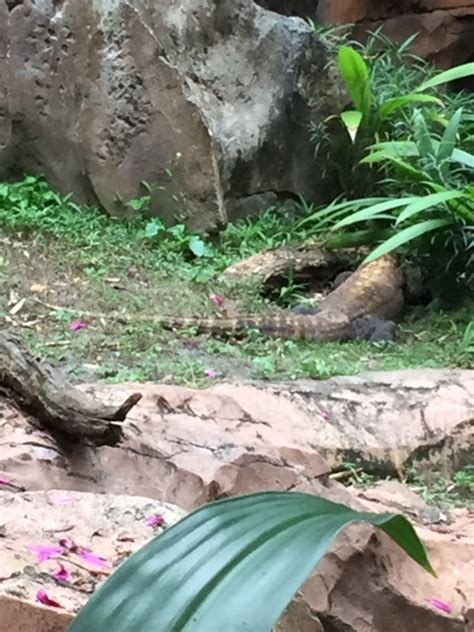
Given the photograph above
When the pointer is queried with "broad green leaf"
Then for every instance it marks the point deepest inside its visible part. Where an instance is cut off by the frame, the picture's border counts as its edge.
(404, 236)
(426, 202)
(197, 246)
(448, 141)
(453, 74)
(356, 76)
(399, 102)
(230, 566)
(352, 120)
(153, 228)
(372, 212)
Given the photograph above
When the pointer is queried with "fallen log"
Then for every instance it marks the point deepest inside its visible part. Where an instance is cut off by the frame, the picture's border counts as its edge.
(43, 392)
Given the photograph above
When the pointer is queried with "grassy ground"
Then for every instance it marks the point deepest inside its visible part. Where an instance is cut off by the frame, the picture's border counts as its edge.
(58, 260)
(435, 488)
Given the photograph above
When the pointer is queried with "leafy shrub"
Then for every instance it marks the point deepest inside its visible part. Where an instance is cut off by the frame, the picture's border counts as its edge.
(385, 82)
(434, 223)
(389, 72)
(420, 168)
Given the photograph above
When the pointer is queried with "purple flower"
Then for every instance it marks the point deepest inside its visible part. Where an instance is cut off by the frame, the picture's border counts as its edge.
(441, 605)
(42, 596)
(45, 553)
(62, 574)
(77, 325)
(4, 481)
(93, 559)
(157, 520)
(324, 414)
(217, 299)
(212, 373)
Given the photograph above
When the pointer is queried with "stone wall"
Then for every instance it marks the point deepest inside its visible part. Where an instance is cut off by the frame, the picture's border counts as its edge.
(208, 102)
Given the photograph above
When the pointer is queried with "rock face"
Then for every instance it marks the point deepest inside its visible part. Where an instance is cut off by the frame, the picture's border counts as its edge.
(111, 527)
(189, 446)
(445, 27)
(209, 103)
(186, 447)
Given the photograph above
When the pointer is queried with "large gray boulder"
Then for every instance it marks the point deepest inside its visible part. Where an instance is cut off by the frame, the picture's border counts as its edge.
(207, 101)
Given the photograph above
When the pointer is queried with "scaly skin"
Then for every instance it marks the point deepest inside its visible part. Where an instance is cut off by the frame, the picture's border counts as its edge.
(323, 326)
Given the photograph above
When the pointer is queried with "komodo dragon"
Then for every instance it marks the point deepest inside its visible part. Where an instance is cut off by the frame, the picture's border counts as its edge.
(363, 307)
(323, 326)
(320, 326)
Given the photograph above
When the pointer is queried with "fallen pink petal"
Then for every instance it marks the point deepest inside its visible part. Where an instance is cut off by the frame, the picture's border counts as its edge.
(5, 481)
(211, 373)
(62, 574)
(155, 521)
(93, 559)
(45, 553)
(217, 299)
(77, 325)
(441, 605)
(42, 596)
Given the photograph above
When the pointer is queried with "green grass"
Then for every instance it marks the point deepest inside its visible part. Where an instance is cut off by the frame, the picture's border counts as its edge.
(443, 491)
(435, 488)
(66, 260)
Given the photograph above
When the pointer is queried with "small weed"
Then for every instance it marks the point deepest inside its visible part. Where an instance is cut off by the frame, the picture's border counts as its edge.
(466, 347)
(442, 491)
(353, 475)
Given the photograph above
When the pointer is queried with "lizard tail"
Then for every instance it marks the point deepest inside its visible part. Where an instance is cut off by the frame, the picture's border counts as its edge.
(287, 326)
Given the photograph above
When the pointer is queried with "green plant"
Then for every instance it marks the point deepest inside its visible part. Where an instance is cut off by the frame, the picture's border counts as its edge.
(445, 491)
(357, 476)
(389, 69)
(231, 565)
(466, 346)
(371, 113)
(428, 215)
(385, 82)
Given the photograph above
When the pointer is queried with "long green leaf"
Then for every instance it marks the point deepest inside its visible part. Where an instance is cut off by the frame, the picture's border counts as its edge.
(453, 74)
(396, 103)
(403, 165)
(356, 76)
(422, 135)
(463, 157)
(408, 149)
(448, 141)
(335, 210)
(426, 202)
(372, 212)
(406, 235)
(230, 566)
(390, 149)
